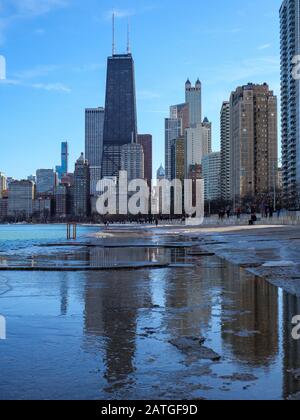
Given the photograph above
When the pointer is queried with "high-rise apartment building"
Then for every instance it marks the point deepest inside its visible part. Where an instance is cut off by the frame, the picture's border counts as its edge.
(178, 159)
(193, 97)
(253, 141)
(206, 136)
(290, 101)
(194, 149)
(94, 125)
(145, 140)
(211, 172)
(63, 168)
(120, 121)
(82, 187)
(46, 181)
(225, 151)
(173, 130)
(20, 199)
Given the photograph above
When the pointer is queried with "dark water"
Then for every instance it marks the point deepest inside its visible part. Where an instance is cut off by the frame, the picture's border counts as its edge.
(95, 335)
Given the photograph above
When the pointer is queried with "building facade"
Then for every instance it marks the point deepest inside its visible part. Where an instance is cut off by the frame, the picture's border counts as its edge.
(46, 181)
(225, 151)
(253, 141)
(3, 184)
(63, 201)
(290, 101)
(120, 121)
(82, 188)
(64, 166)
(206, 136)
(193, 97)
(20, 199)
(132, 161)
(194, 149)
(145, 140)
(211, 172)
(94, 125)
(173, 130)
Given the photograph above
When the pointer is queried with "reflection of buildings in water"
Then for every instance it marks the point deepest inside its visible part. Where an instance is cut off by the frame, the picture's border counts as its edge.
(291, 347)
(255, 305)
(109, 257)
(64, 288)
(112, 302)
(188, 293)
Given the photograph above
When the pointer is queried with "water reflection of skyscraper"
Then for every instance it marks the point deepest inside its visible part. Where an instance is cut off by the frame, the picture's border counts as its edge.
(111, 319)
(188, 299)
(250, 317)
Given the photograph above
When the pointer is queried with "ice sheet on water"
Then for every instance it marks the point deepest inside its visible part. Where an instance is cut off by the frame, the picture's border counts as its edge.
(281, 263)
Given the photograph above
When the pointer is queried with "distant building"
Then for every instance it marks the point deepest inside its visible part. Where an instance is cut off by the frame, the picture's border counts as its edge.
(132, 161)
(63, 201)
(181, 112)
(206, 136)
(253, 141)
(82, 188)
(160, 174)
(145, 140)
(225, 151)
(68, 179)
(195, 173)
(178, 159)
(42, 207)
(193, 97)
(173, 130)
(46, 181)
(20, 199)
(94, 125)
(31, 178)
(3, 184)
(211, 172)
(64, 166)
(3, 207)
(193, 147)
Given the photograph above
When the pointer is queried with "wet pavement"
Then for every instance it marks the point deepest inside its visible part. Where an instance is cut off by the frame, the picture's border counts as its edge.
(198, 328)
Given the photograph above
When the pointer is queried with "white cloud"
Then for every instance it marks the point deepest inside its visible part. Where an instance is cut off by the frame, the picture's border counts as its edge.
(30, 8)
(50, 87)
(13, 11)
(57, 87)
(39, 71)
(264, 47)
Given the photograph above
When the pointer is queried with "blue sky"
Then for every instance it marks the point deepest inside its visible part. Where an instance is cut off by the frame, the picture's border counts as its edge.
(56, 54)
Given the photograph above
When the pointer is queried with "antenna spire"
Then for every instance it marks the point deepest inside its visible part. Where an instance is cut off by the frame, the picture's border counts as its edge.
(113, 35)
(128, 38)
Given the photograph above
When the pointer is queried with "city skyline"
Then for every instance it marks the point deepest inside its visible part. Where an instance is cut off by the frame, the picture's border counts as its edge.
(55, 109)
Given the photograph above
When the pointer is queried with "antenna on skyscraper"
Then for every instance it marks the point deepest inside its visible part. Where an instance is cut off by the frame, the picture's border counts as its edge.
(113, 35)
(128, 38)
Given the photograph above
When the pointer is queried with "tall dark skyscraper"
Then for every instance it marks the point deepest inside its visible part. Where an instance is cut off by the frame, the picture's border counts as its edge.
(120, 122)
